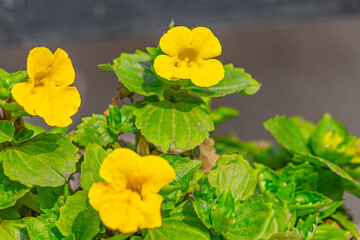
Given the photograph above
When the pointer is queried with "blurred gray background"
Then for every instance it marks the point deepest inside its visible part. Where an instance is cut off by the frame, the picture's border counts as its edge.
(305, 53)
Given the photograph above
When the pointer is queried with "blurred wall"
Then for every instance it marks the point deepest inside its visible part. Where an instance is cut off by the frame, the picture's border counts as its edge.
(306, 68)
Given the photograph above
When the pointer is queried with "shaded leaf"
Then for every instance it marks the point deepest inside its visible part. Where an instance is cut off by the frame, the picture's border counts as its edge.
(7, 131)
(223, 114)
(45, 160)
(10, 191)
(90, 167)
(73, 214)
(94, 129)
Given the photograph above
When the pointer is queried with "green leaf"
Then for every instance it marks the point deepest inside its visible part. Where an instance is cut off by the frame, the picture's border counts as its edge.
(287, 236)
(273, 183)
(329, 231)
(45, 160)
(252, 217)
(307, 128)
(12, 78)
(309, 226)
(128, 118)
(61, 130)
(273, 157)
(134, 71)
(23, 136)
(42, 228)
(237, 176)
(90, 167)
(333, 149)
(13, 230)
(52, 199)
(10, 191)
(94, 129)
(8, 80)
(306, 202)
(304, 176)
(283, 219)
(343, 221)
(114, 119)
(7, 131)
(288, 134)
(107, 67)
(9, 214)
(223, 114)
(121, 236)
(228, 145)
(173, 127)
(174, 229)
(73, 214)
(330, 184)
(3, 73)
(349, 182)
(184, 169)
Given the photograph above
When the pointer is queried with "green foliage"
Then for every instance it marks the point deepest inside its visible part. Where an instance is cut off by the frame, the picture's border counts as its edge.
(235, 174)
(10, 191)
(223, 114)
(185, 169)
(90, 167)
(173, 127)
(13, 230)
(94, 129)
(329, 231)
(7, 131)
(288, 134)
(42, 228)
(73, 214)
(45, 160)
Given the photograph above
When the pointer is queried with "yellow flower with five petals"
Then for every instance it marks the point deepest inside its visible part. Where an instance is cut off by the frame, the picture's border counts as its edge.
(128, 199)
(47, 92)
(189, 55)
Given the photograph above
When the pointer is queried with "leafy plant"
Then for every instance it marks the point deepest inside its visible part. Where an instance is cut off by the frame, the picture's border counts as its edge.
(172, 182)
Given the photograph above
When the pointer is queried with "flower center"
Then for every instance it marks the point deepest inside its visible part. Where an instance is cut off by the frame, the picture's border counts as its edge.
(187, 55)
(42, 78)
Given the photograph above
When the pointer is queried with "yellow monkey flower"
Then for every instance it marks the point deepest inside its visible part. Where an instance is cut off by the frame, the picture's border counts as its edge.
(47, 92)
(128, 199)
(188, 56)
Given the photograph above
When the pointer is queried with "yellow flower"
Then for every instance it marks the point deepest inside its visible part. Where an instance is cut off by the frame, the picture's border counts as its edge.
(189, 54)
(128, 199)
(47, 92)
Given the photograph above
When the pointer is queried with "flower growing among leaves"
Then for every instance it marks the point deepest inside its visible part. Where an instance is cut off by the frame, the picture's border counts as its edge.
(47, 92)
(188, 56)
(128, 199)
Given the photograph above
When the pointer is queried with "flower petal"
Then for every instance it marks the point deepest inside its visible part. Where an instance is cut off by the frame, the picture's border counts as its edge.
(207, 73)
(62, 69)
(182, 72)
(205, 42)
(58, 106)
(119, 167)
(156, 172)
(39, 62)
(176, 39)
(27, 96)
(151, 210)
(101, 193)
(123, 214)
(165, 66)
